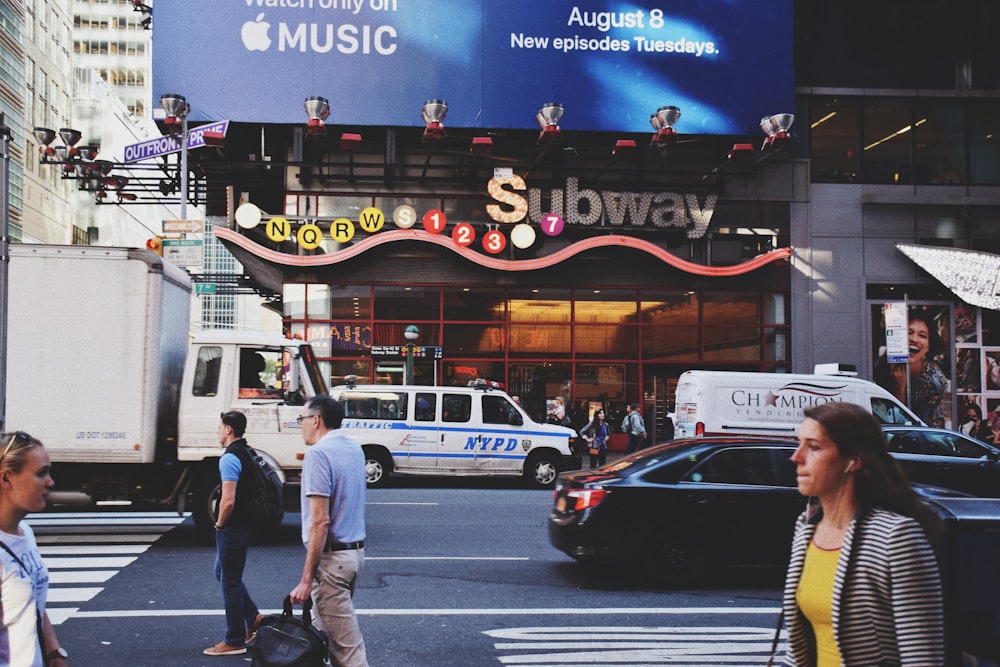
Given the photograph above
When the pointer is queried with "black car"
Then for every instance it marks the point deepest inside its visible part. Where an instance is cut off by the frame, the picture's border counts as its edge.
(672, 512)
(946, 458)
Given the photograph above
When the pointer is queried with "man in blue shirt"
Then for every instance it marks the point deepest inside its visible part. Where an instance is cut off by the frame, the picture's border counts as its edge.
(333, 528)
(232, 536)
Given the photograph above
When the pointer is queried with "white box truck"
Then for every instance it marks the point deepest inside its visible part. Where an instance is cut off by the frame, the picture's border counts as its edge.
(728, 402)
(103, 370)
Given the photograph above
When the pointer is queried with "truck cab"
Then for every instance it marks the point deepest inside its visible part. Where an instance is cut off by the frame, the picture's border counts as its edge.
(268, 378)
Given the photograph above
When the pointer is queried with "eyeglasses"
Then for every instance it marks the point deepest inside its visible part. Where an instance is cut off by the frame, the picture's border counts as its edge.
(302, 418)
(10, 443)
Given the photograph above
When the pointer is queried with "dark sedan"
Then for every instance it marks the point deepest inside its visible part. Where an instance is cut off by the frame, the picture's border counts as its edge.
(672, 512)
(946, 458)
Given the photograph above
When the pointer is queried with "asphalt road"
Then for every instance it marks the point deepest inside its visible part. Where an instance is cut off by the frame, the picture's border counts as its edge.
(457, 573)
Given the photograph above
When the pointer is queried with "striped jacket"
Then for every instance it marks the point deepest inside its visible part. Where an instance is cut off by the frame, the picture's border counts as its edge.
(887, 600)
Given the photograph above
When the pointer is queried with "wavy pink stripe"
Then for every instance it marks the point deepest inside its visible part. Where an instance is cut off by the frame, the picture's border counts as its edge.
(489, 261)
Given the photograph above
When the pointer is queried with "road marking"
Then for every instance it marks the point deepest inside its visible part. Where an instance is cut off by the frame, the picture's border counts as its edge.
(674, 645)
(549, 611)
(81, 548)
(490, 558)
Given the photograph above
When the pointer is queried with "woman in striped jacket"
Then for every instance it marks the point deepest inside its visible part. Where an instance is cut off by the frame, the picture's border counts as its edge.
(863, 585)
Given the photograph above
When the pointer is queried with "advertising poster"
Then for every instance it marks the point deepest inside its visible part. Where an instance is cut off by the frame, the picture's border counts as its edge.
(611, 64)
(928, 364)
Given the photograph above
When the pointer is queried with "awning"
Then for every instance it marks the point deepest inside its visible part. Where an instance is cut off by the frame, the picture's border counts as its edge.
(973, 276)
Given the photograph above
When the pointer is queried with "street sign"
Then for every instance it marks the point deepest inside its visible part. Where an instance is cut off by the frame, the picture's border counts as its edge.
(183, 226)
(184, 252)
(169, 144)
(205, 288)
(897, 344)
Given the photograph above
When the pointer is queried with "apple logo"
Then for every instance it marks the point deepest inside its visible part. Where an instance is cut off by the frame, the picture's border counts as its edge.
(254, 34)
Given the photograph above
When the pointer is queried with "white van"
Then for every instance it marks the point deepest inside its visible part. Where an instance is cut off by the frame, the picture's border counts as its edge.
(724, 402)
(466, 431)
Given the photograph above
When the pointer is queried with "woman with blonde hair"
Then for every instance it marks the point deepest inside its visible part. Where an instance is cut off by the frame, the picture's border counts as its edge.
(27, 638)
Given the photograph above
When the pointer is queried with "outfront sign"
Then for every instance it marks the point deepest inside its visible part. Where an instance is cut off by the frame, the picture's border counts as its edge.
(169, 144)
(610, 63)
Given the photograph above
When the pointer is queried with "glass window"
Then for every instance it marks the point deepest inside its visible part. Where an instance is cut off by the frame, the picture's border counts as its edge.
(339, 369)
(606, 341)
(333, 207)
(540, 305)
(604, 305)
(669, 307)
(730, 308)
(294, 300)
(394, 302)
(497, 409)
(461, 373)
(984, 148)
(939, 134)
(206, 373)
(886, 145)
(834, 139)
(548, 340)
(670, 344)
(731, 343)
(456, 407)
(348, 302)
(755, 467)
(383, 405)
(426, 407)
(478, 304)
(392, 334)
(318, 301)
(478, 340)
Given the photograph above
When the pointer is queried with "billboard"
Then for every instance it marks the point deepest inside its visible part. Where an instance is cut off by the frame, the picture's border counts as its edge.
(610, 63)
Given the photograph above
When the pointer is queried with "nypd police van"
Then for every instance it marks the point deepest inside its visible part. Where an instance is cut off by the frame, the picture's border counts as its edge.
(467, 431)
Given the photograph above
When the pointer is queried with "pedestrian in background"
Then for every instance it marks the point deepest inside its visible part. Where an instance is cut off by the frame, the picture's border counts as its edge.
(233, 532)
(596, 433)
(27, 638)
(333, 528)
(634, 426)
(863, 586)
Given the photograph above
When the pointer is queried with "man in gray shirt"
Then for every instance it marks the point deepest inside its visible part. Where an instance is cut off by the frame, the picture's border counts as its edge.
(333, 528)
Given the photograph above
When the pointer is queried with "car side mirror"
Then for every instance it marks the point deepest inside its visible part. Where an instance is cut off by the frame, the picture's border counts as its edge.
(993, 455)
(515, 419)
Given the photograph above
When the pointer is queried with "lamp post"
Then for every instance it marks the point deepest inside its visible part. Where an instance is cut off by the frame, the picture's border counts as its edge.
(411, 333)
(4, 262)
(177, 110)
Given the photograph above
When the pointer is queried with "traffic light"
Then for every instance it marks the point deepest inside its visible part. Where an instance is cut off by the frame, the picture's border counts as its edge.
(155, 244)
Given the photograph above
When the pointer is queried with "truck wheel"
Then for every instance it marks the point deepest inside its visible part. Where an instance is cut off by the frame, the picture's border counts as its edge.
(540, 470)
(378, 467)
(205, 498)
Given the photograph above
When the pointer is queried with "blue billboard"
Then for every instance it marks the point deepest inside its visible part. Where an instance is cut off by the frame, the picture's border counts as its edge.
(611, 64)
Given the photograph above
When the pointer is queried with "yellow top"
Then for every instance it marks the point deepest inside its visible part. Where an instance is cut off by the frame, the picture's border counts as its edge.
(815, 600)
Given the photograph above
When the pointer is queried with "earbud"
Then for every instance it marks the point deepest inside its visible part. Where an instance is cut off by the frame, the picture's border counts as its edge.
(850, 467)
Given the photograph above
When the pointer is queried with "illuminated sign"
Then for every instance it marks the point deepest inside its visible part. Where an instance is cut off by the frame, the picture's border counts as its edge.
(610, 63)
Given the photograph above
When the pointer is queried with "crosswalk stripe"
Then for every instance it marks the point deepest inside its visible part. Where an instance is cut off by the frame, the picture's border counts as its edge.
(84, 550)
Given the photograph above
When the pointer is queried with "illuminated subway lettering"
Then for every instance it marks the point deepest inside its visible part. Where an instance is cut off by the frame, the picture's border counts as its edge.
(587, 207)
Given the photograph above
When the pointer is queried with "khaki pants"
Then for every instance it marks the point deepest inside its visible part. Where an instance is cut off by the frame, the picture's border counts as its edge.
(333, 606)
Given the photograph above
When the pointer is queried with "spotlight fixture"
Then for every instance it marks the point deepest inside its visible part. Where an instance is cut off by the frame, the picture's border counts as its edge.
(177, 110)
(623, 147)
(777, 128)
(89, 153)
(44, 136)
(146, 11)
(481, 145)
(663, 122)
(318, 110)
(548, 118)
(433, 114)
(350, 141)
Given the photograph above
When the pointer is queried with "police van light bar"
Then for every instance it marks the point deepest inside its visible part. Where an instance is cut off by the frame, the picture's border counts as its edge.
(482, 383)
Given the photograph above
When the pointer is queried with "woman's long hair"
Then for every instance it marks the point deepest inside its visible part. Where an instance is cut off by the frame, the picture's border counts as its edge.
(879, 482)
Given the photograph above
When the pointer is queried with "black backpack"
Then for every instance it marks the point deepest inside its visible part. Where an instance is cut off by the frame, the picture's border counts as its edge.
(266, 505)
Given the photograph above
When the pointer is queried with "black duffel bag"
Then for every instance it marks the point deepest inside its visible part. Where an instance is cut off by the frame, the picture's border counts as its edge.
(286, 641)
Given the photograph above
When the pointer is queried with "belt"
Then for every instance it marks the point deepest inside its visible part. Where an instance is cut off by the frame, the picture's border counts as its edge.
(340, 546)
